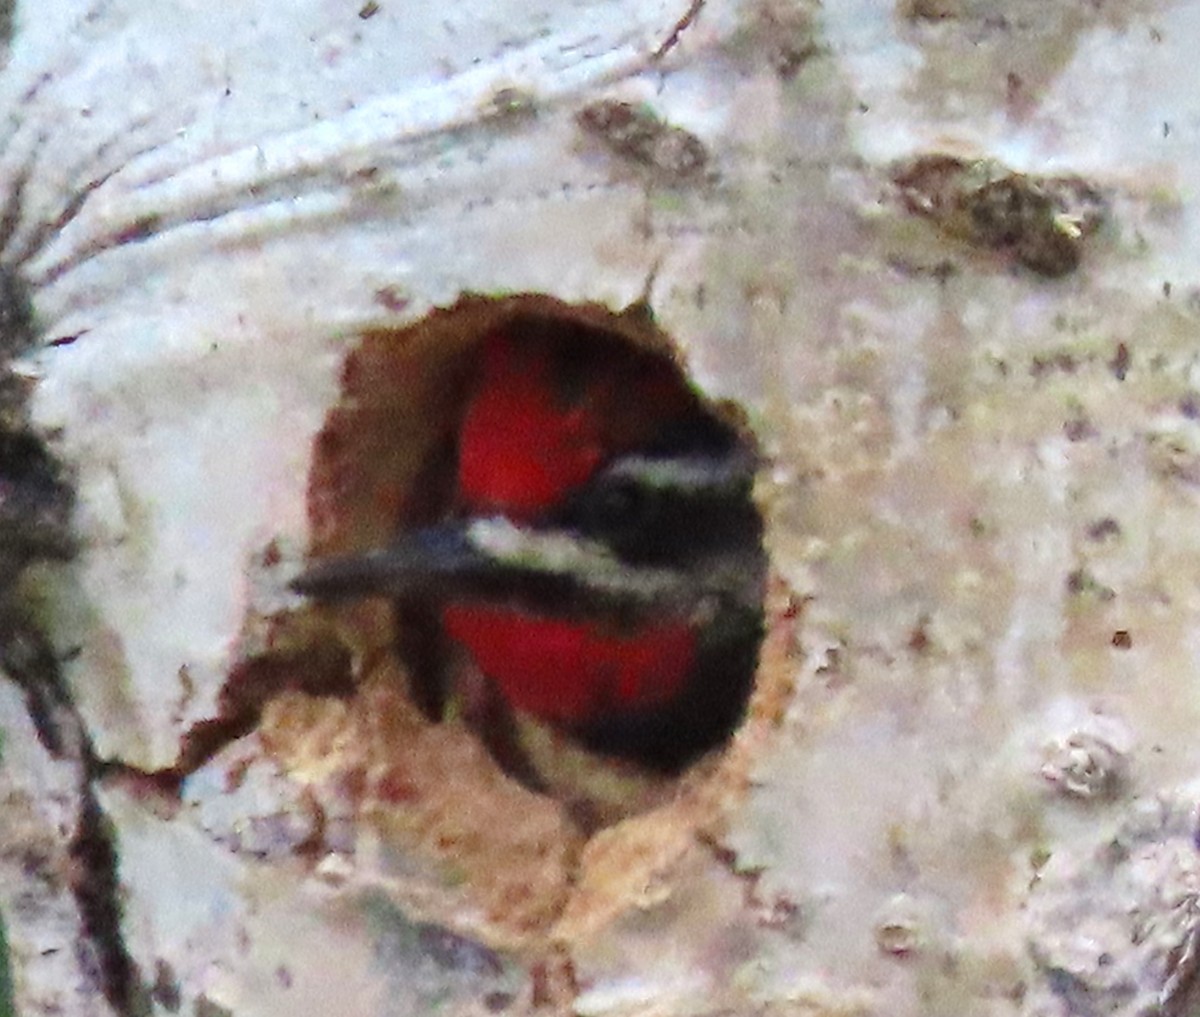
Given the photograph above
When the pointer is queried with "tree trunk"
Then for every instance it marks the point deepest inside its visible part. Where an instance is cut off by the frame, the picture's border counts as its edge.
(938, 258)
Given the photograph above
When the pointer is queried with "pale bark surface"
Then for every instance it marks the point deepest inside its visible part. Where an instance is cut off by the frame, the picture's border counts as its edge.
(943, 252)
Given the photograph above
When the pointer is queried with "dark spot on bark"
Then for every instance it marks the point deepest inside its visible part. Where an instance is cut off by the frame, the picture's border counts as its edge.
(271, 555)
(205, 1007)
(457, 953)
(930, 10)
(1101, 529)
(1122, 640)
(139, 230)
(165, 990)
(390, 298)
(66, 340)
(1081, 583)
(918, 640)
(1079, 429)
(1059, 360)
(496, 1002)
(1119, 365)
(1014, 88)
(639, 135)
(1041, 222)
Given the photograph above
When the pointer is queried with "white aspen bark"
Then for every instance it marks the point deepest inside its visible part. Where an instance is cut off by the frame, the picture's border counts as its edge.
(943, 254)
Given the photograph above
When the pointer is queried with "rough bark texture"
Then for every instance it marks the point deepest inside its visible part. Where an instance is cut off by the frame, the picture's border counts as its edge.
(942, 253)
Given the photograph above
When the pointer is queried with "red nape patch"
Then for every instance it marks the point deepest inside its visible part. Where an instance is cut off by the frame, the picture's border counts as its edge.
(573, 672)
(521, 447)
(538, 426)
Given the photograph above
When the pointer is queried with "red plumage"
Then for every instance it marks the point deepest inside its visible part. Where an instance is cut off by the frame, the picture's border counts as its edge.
(542, 419)
(546, 414)
(571, 672)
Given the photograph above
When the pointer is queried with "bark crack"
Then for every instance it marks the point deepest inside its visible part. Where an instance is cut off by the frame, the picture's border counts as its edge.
(680, 26)
(35, 511)
(27, 658)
